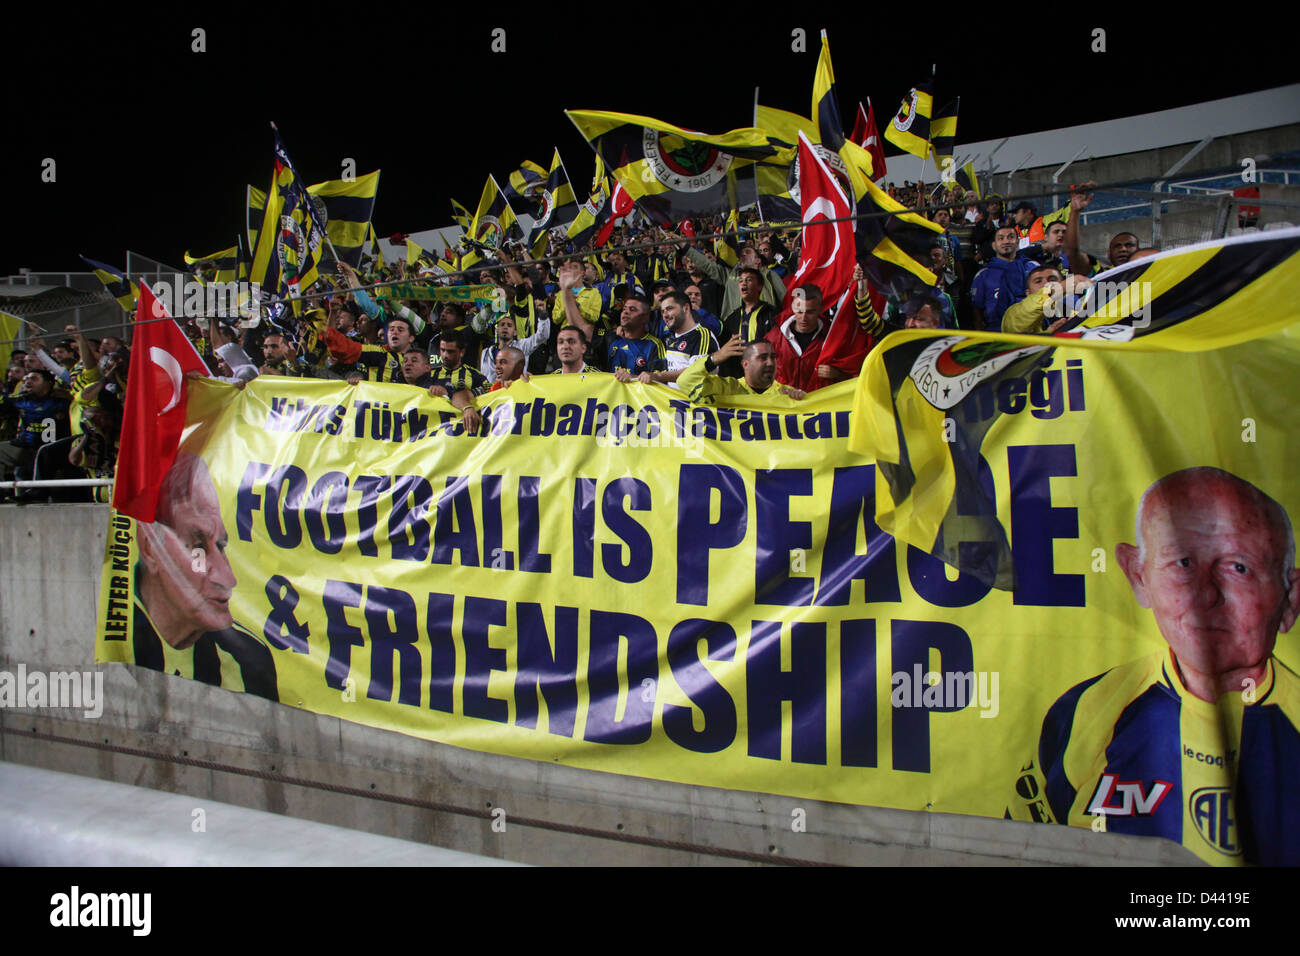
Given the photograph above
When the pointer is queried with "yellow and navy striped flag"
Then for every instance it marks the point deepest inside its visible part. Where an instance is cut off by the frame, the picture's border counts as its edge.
(943, 132)
(893, 244)
(524, 187)
(777, 177)
(968, 180)
(118, 285)
(9, 326)
(727, 246)
(672, 173)
(461, 216)
(557, 208)
(413, 252)
(220, 266)
(910, 128)
(376, 250)
(782, 127)
(349, 205)
(927, 399)
(494, 221)
(825, 109)
(254, 209)
(559, 204)
(592, 215)
(288, 249)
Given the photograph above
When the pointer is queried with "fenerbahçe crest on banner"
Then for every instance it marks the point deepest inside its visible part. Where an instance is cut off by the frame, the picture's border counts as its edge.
(683, 165)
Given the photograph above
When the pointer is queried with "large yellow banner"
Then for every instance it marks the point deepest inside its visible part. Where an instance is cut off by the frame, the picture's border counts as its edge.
(611, 578)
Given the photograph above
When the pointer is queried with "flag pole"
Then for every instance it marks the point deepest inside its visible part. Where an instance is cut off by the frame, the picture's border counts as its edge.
(920, 185)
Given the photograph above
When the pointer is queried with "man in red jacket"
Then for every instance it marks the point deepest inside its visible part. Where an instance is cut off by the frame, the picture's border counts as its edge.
(798, 342)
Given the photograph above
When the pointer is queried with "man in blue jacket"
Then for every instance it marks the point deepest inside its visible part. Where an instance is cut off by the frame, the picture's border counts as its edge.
(1001, 283)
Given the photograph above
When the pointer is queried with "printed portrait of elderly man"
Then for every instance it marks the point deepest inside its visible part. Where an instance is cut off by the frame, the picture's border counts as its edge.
(1196, 742)
(183, 586)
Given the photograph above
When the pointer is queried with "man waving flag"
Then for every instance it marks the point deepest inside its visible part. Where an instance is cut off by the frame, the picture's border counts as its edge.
(827, 257)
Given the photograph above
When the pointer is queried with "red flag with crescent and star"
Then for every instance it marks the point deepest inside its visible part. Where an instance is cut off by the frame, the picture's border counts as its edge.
(154, 414)
(866, 136)
(827, 251)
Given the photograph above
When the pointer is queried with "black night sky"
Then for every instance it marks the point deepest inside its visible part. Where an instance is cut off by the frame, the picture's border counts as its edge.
(153, 143)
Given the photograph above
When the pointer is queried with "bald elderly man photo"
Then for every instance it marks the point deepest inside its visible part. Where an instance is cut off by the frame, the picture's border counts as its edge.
(183, 586)
(1198, 741)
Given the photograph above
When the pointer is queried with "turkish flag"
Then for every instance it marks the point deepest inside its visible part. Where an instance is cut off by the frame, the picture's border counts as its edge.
(866, 136)
(620, 204)
(827, 252)
(847, 343)
(154, 414)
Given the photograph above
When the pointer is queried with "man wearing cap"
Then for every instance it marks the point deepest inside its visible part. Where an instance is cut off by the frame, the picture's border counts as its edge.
(1023, 216)
(989, 220)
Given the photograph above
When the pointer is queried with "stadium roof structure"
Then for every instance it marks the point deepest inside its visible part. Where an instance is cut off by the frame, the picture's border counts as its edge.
(1130, 134)
(24, 300)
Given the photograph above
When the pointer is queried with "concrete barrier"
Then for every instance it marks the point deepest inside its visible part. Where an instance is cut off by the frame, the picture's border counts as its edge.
(59, 819)
(184, 737)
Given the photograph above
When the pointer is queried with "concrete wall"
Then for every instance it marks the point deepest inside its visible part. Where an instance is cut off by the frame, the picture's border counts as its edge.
(184, 737)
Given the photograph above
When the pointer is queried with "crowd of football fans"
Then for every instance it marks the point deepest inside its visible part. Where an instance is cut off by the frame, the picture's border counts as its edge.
(659, 303)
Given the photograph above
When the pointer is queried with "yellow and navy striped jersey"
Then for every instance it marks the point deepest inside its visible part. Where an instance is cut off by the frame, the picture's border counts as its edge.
(1134, 747)
(681, 350)
(82, 379)
(462, 378)
(750, 324)
(871, 323)
(377, 364)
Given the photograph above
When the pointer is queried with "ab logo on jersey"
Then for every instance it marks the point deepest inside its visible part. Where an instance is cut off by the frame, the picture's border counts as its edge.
(1212, 810)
